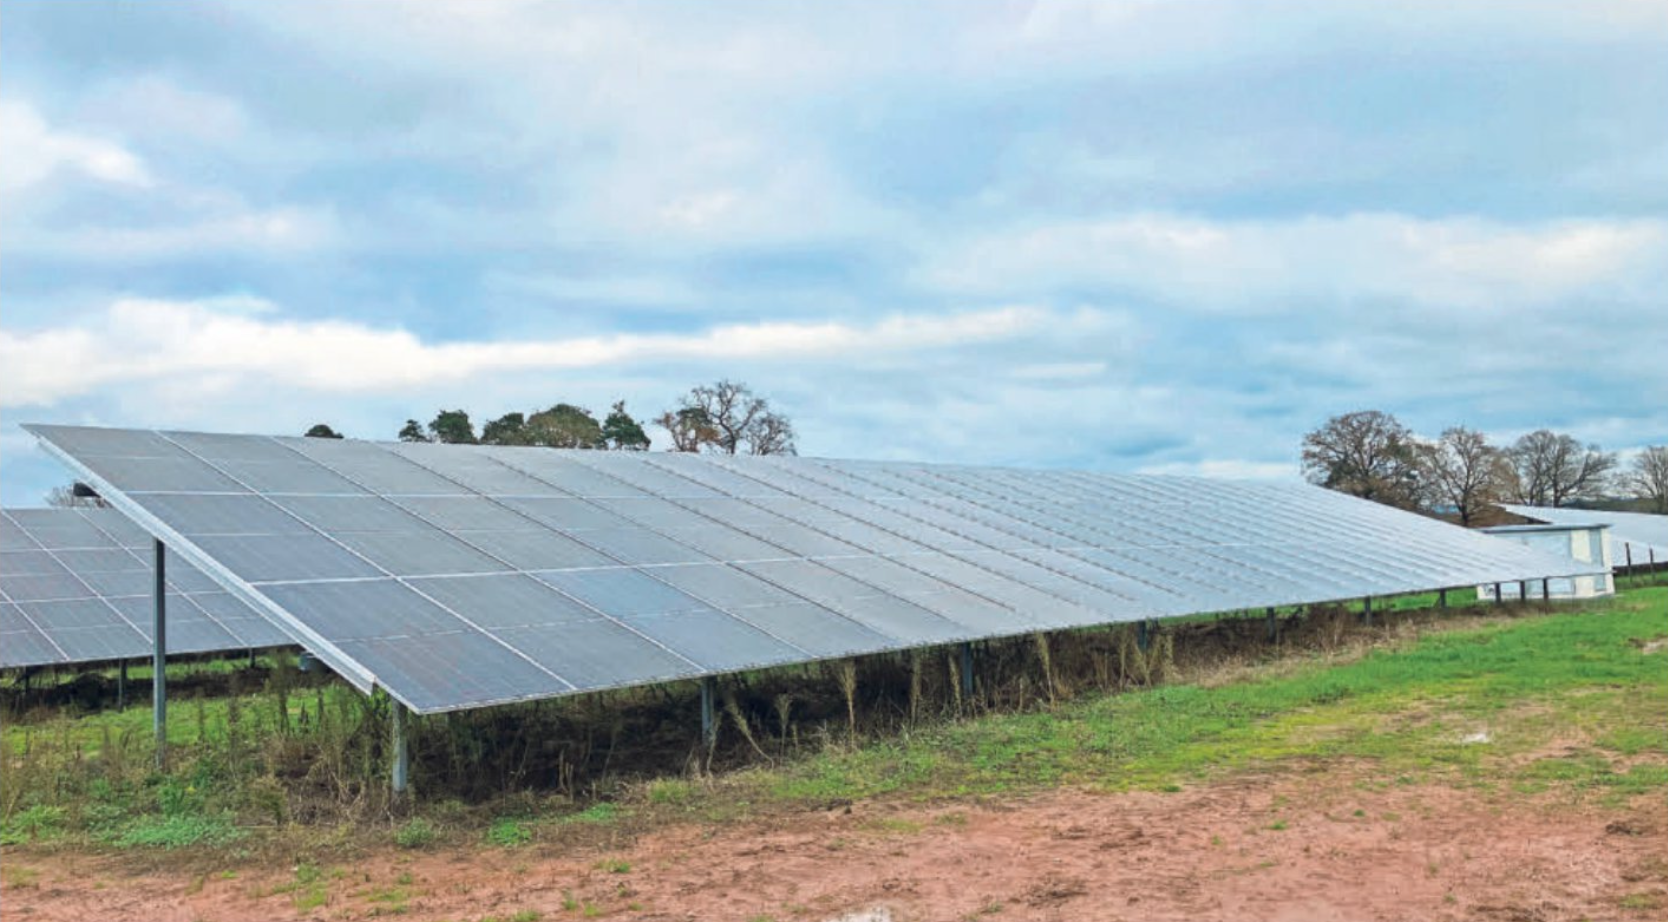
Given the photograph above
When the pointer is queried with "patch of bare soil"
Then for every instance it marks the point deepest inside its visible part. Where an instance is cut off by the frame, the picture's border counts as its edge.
(1302, 845)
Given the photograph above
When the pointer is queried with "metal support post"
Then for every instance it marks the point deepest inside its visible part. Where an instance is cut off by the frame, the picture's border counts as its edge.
(1497, 593)
(1273, 625)
(121, 687)
(159, 656)
(966, 672)
(1523, 591)
(400, 770)
(1442, 599)
(1142, 638)
(1546, 590)
(709, 729)
(1367, 611)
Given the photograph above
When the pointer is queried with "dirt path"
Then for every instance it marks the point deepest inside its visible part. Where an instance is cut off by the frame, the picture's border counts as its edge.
(1300, 846)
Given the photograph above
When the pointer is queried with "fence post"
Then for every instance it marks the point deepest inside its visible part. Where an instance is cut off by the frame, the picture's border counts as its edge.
(401, 768)
(159, 655)
(709, 728)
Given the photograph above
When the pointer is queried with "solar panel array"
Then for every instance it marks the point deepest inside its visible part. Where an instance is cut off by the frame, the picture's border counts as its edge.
(464, 576)
(1644, 534)
(76, 586)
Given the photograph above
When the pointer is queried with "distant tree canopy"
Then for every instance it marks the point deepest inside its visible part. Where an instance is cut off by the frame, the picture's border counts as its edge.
(1463, 471)
(1369, 454)
(563, 425)
(509, 429)
(453, 428)
(322, 431)
(1552, 469)
(1372, 455)
(1647, 478)
(726, 416)
(690, 428)
(622, 432)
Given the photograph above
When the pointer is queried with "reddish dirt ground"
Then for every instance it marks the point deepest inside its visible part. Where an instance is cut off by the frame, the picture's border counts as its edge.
(1315, 845)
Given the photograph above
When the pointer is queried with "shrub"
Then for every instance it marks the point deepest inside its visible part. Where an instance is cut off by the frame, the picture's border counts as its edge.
(37, 822)
(416, 833)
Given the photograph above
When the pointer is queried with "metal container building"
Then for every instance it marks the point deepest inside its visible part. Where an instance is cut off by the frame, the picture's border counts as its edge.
(1587, 543)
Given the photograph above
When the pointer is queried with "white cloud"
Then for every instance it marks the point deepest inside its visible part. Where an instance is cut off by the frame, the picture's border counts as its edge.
(35, 151)
(1229, 469)
(205, 344)
(1254, 264)
(159, 110)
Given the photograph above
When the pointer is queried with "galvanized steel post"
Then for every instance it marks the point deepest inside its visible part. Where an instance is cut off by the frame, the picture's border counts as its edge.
(401, 768)
(709, 729)
(1523, 591)
(159, 655)
(1442, 598)
(966, 671)
(1367, 611)
(1546, 590)
(1142, 640)
(1497, 593)
(121, 687)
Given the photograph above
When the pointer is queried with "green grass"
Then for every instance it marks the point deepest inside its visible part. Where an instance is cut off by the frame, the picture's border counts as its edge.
(509, 832)
(177, 831)
(596, 814)
(1474, 706)
(1521, 682)
(189, 719)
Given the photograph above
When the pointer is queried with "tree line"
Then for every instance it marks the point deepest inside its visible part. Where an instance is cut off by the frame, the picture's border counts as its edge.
(1371, 454)
(724, 416)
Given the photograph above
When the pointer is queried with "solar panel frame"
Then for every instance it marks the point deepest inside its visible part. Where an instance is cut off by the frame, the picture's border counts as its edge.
(105, 613)
(831, 558)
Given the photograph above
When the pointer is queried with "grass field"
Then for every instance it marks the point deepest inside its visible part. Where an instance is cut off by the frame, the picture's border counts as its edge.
(1570, 700)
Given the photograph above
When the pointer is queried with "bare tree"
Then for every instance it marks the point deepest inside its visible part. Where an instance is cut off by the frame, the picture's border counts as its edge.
(1461, 469)
(1648, 477)
(728, 417)
(1369, 454)
(690, 428)
(771, 434)
(1553, 469)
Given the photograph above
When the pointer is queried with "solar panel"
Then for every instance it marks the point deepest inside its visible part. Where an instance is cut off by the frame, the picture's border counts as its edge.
(465, 576)
(1641, 536)
(76, 586)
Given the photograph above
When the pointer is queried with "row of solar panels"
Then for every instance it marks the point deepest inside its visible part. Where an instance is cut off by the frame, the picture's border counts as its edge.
(76, 586)
(1634, 536)
(463, 576)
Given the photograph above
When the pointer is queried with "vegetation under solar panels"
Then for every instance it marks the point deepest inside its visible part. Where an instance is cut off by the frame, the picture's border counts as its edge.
(1078, 708)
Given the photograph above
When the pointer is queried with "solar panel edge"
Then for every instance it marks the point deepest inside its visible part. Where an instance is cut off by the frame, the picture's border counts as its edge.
(338, 661)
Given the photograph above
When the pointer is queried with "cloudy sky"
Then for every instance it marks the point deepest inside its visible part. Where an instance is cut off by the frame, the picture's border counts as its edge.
(1129, 236)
